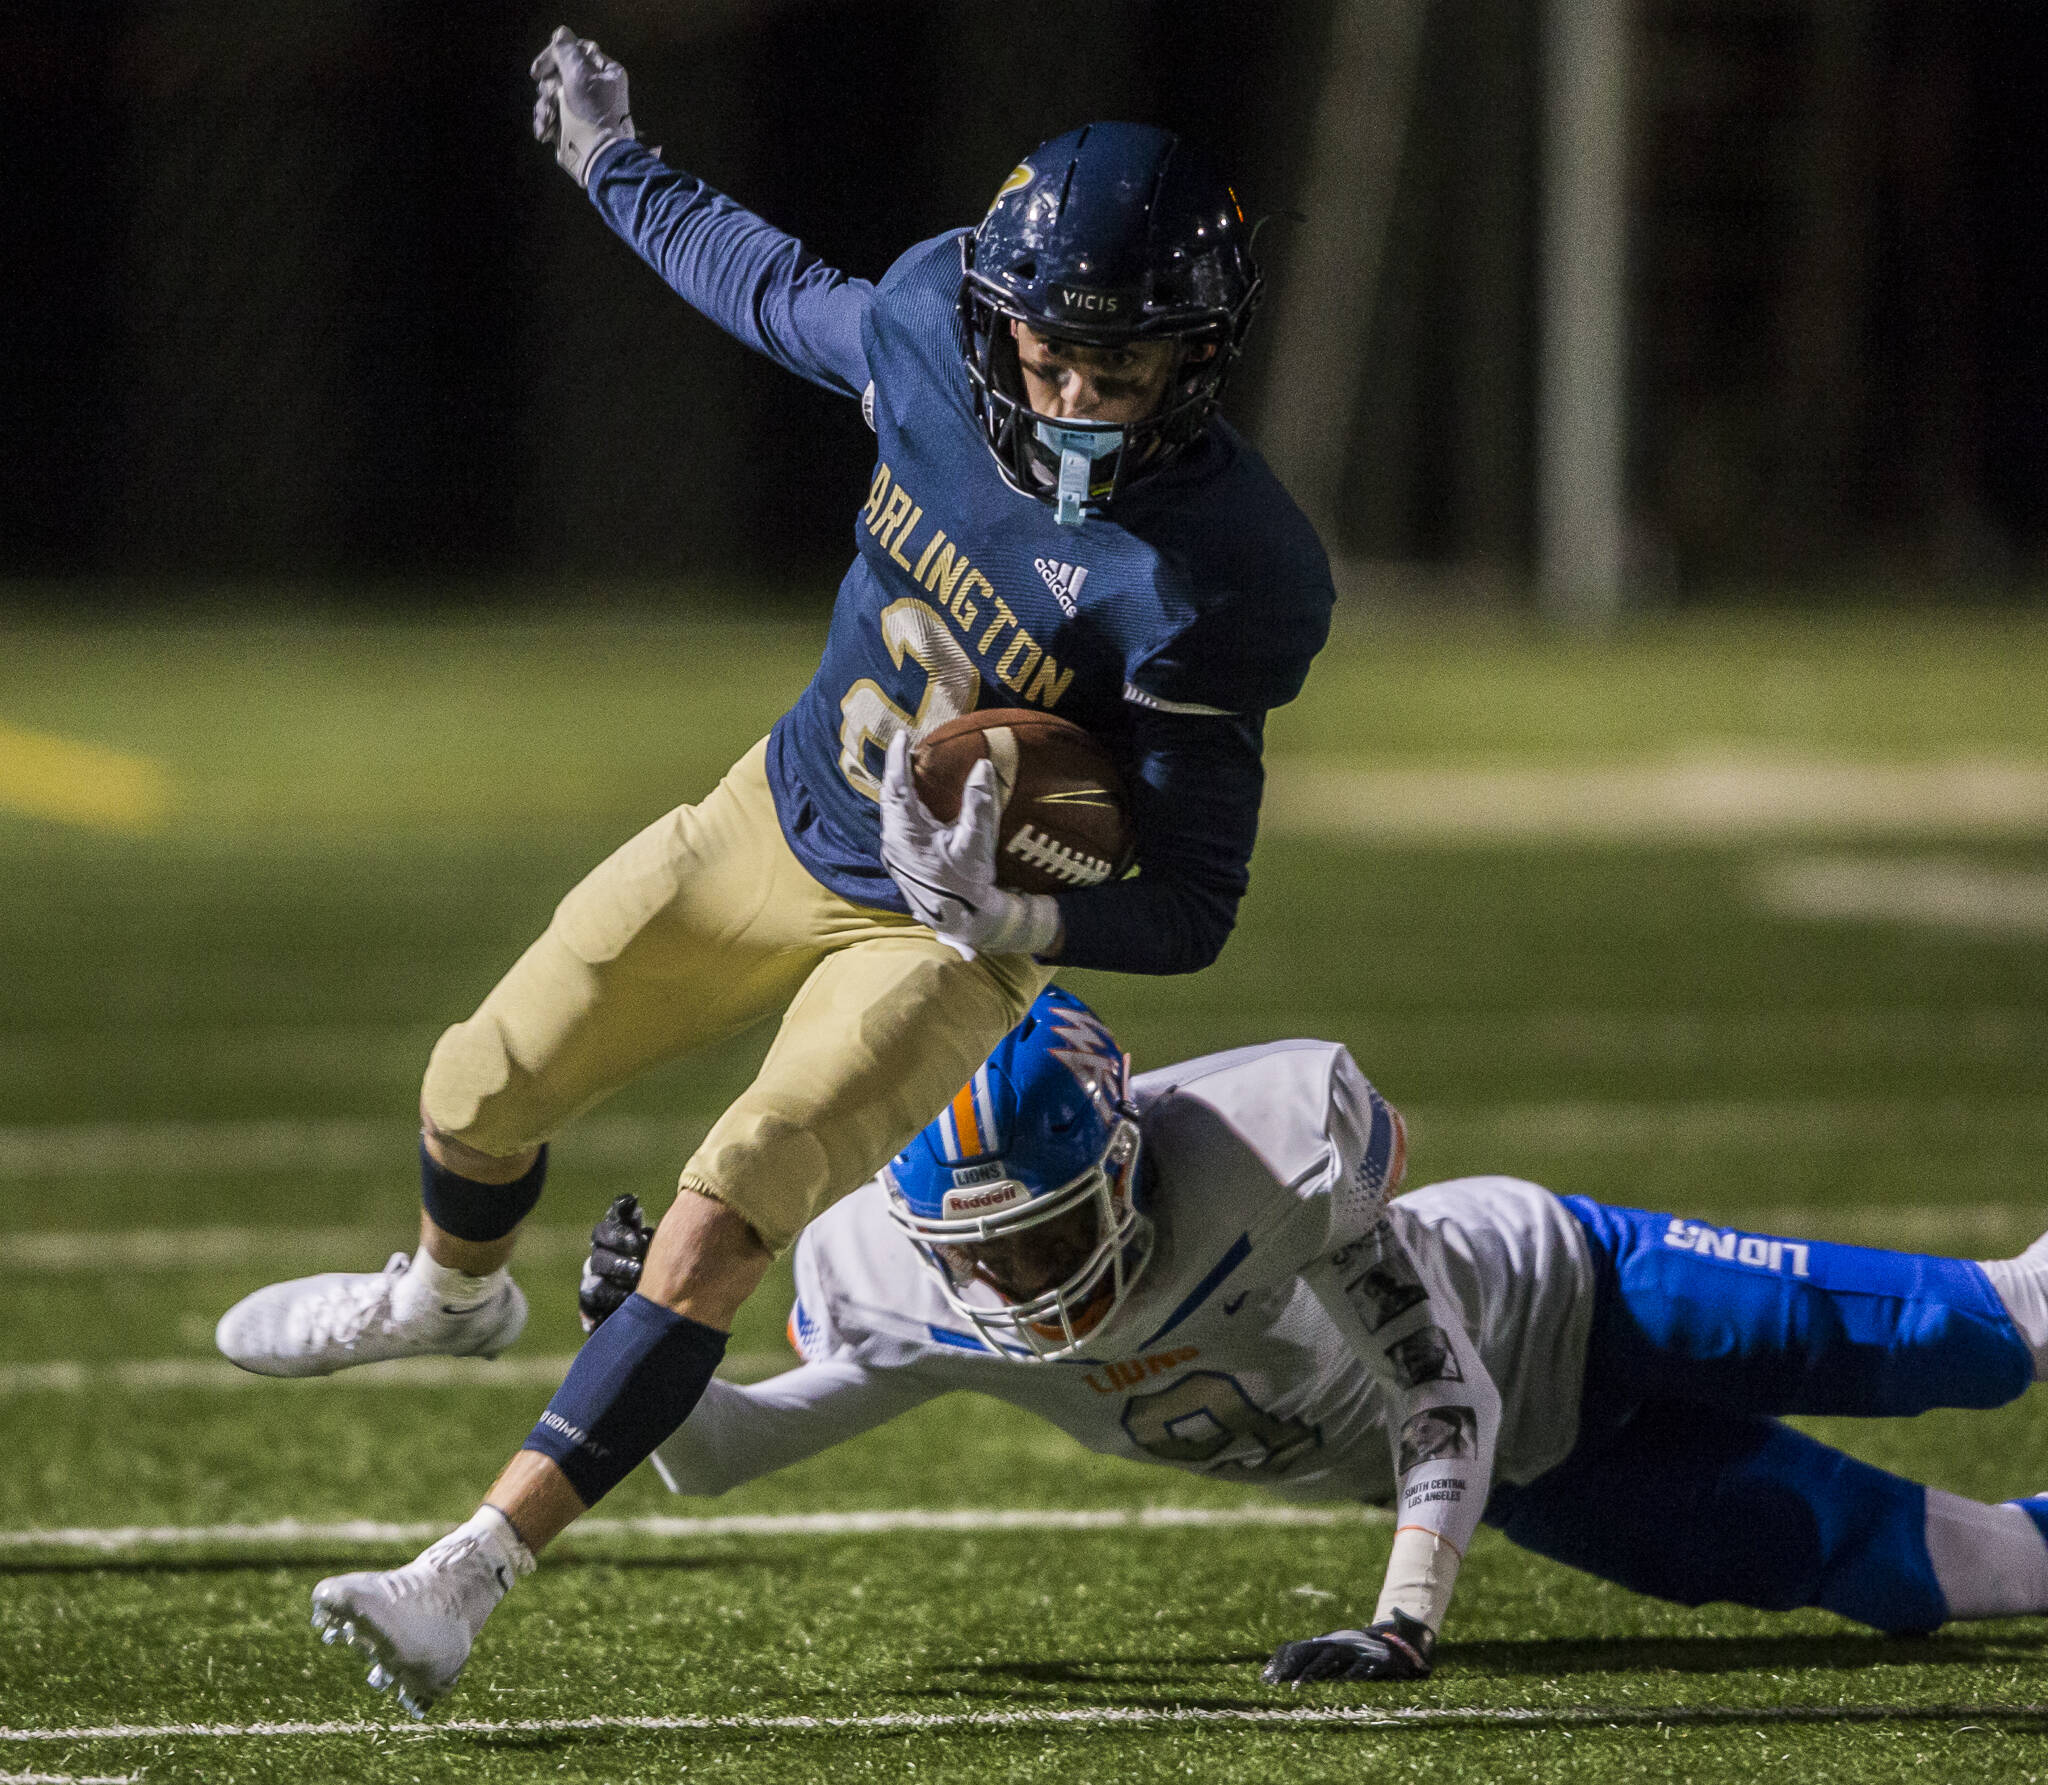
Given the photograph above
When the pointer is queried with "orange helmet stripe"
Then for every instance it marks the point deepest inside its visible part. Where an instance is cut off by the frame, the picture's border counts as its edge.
(966, 1124)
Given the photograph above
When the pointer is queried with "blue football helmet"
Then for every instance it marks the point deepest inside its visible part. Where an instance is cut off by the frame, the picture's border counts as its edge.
(1022, 1196)
(1110, 234)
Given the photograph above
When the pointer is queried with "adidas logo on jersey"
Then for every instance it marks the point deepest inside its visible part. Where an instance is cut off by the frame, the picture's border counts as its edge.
(1064, 580)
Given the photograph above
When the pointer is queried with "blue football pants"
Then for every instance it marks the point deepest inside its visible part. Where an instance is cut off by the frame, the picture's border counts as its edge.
(1684, 1484)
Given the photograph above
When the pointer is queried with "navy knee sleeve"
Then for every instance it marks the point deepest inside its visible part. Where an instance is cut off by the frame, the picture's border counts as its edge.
(632, 1384)
(472, 1211)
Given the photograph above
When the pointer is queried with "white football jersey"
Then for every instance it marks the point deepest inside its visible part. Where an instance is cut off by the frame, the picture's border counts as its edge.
(1292, 1329)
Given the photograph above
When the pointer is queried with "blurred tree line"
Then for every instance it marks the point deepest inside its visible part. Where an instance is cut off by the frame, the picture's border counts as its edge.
(293, 294)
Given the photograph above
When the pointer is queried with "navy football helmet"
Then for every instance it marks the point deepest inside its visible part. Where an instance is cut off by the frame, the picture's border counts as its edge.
(1110, 234)
(1022, 1196)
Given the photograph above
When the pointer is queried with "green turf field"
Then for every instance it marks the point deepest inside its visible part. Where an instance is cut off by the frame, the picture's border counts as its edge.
(247, 872)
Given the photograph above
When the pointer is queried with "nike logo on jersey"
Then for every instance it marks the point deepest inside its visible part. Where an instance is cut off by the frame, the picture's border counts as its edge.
(1064, 580)
(1231, 1307)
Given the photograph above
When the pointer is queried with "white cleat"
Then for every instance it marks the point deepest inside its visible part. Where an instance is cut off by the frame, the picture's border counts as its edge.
(313, 1326)
(414, 1625)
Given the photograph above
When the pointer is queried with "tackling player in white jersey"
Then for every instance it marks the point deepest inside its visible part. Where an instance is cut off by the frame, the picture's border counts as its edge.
(1202, 1268)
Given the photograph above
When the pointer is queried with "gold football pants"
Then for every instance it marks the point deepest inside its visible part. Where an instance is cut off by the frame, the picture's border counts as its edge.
(702, 924)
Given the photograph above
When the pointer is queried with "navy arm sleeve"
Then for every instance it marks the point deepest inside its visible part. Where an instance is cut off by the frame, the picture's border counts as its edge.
(761, 286)
(1199, 699)
(1195, 807)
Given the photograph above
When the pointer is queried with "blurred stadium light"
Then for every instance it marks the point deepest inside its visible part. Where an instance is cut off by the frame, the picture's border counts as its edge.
(1325, 307)
(1582, 437)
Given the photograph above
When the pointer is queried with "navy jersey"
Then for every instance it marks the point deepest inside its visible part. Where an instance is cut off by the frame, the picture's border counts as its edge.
(1167, 631)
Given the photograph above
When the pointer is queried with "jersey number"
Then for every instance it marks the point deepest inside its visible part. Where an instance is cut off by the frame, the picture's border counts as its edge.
(868, 717)
(1205, 1418)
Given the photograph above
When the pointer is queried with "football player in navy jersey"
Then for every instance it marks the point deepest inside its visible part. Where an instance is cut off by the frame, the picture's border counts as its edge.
(1057, 519)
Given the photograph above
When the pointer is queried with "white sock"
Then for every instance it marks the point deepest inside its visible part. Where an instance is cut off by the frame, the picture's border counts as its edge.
(428, 1283)
(506, 1558)
(2022, 1285)
(494, 1530)
(1989, 1561)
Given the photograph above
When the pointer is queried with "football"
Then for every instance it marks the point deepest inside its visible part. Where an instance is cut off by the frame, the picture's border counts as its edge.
(1066, 822)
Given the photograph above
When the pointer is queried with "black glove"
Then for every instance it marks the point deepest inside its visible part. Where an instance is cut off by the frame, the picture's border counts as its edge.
(618, 1244)
(1400, 1648)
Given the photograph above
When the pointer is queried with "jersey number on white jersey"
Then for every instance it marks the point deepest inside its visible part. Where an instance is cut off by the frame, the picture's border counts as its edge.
(1205, 1418)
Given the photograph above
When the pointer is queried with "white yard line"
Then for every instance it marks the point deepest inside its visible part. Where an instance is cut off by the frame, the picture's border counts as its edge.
(1563, 1128)
(1956, 1230)
(1967, 1230)
(70, 1778)
(1709, 798)
(1622, 1032)
(296, 1144)
(1802, 1123)
(1970, 1230)
(149, 1250)
(117, 1539)
(232, 1148)
(1970, 898)
(1091, 1717)
(1867, 1032)
(155, 1375)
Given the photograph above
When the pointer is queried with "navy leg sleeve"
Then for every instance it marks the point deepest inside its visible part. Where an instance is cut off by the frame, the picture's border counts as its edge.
(1757, 1324)
(472, 1211)
(632, 1384)
(1692, 1504)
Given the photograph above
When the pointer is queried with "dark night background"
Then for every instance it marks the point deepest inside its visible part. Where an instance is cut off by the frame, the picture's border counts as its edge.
(291, 294)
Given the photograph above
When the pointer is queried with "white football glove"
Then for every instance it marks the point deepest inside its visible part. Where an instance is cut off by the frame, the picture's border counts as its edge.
(582, 104)
(947, 872)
